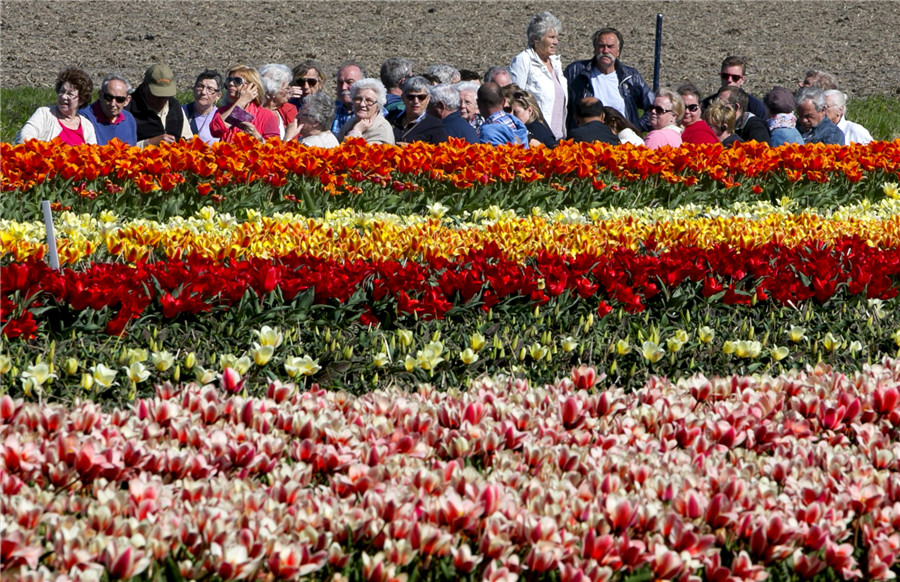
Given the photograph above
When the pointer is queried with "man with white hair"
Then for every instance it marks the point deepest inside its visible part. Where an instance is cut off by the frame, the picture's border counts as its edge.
(446, 74)
(498, 74)
(812, 121)
(445, 106)
(836, 106)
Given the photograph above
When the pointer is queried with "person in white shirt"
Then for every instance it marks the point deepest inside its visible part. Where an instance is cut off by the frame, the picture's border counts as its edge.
(835, 107)
(539, 71)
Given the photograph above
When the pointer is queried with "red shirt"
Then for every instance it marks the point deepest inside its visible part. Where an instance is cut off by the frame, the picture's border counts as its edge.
(264, 121)
(699, 132)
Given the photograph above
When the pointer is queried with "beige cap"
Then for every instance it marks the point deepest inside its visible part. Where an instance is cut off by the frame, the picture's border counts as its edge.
(160, 80)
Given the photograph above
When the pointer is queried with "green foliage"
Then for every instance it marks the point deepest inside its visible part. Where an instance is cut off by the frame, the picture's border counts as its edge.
(880, 115)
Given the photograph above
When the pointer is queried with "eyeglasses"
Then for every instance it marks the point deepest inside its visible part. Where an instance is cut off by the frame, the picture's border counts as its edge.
(206, 89)
(308, 81)
(236, 81)
(118, 99)
(417, 96)
(363, 101)
(69, 94)
(693, 108)
(730, 77)
(659, 110)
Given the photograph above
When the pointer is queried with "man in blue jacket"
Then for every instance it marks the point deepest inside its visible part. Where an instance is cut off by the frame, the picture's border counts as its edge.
(604, 77)
(445, 106)
(499, 127)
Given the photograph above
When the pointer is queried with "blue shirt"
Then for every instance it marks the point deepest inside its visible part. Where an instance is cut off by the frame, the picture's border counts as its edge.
(502, 128)
(125, 130)
(456, 126)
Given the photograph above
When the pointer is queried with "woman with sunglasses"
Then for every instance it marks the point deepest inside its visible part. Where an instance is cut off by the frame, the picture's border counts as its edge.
(308, 79)
(368, 97)
(243, 110)
(73, 91)
(416, 124)
(665, 115)
(695, 129)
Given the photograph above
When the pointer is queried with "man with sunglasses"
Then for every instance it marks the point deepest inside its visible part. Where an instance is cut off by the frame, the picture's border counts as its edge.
(107, 114)
(733, 75)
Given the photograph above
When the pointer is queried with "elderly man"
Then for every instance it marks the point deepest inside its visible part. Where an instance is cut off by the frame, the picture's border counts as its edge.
(108, 115)
(820, 79)
(606, 78)
(589, 113)
(499, 75)
(499, 127)
(812, 120)
(348, 73)
(158, 114)
(445, 106)
(393, 72)
(836, 106)
(733, 74)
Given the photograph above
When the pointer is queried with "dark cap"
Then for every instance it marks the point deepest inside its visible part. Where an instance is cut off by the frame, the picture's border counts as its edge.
(160, 80)
(779, 100)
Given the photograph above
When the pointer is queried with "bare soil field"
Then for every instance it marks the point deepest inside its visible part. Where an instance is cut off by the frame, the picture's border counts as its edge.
(857, 41)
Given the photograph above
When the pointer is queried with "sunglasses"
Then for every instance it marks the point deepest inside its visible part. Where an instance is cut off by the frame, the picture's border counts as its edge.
(693, 107)
(308, 81)
(237, 81)
(729, 77)
(116, 98)
(417, 96)
(659, 110)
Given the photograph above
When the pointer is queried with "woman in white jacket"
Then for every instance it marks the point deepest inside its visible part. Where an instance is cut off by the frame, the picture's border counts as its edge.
(539, 71)
(73, 91)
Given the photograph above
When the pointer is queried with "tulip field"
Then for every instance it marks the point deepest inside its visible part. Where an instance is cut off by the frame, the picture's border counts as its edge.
(374, 363)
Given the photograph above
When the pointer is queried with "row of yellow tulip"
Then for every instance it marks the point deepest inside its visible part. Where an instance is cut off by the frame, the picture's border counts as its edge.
(352, 235)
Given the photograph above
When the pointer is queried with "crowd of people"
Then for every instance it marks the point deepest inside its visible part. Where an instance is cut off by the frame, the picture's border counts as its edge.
(534, 102)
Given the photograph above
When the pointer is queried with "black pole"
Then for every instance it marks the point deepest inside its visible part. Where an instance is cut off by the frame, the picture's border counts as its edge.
(657, 53)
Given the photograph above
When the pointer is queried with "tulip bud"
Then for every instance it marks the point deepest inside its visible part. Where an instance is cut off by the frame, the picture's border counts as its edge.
(176, 375)
(87, 381)
(71, 366)
(190, 361)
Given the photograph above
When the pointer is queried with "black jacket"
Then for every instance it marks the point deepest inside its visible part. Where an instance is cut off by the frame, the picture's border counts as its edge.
(594, 131)
(634, 91)
(430, 130)
(148, 122)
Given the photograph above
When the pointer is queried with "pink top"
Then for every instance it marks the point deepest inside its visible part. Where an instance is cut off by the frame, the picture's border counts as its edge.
(264, 121)
(71, 136)
(666, 136)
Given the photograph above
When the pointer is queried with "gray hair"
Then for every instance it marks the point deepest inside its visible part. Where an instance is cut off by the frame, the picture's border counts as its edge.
(813, 94)
(374, 85)
(345, 64)
(274, 77)
(468, 86)
(115, 77)
(540, 25)
(447, 95)
(418, 84)
(395, 70)
(839, 97)
(821, 79)
(319, 109)
(444, 73)
(489, 75)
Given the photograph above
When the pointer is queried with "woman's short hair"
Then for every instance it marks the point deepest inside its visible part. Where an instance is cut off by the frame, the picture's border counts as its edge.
(675, 99)
(719, 117)
(80, 81)
(319, 109)
(374, 85)
(540, 25)
(689, 89)
(467, 86)
(304, 67)
(417, 84)
(274, 77)
(250, 75)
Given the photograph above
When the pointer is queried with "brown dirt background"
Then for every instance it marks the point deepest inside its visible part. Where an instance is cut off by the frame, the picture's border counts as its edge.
(857, 41)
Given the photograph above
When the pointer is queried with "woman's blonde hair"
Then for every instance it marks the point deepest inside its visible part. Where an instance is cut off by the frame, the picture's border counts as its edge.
(676, 101)
(250, 75)
(515, 95)
(719, 117)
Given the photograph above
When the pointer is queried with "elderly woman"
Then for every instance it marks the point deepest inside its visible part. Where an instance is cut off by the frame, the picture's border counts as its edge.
(243, 110)
(368, 96)
(695, 129)
(539, 71)
(524, 106)
(275, 80)
(468, 103)
(314, 120)
(415, 124)
(73, 91)
(308, 78)
(667, 111)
